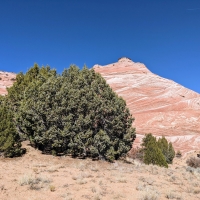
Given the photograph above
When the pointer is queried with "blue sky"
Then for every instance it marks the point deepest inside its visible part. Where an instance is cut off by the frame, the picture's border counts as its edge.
(162, 34)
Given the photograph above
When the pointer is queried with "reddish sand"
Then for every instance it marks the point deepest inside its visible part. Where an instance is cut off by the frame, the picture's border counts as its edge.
(160, 106)
(44, 177)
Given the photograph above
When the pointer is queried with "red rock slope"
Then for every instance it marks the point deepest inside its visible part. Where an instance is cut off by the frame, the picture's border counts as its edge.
(160, 106)
(6, 80)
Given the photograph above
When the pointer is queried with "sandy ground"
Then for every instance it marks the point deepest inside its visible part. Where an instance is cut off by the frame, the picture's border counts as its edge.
(44, 177)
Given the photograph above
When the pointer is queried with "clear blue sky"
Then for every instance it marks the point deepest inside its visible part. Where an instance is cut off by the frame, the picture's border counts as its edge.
(162, 34)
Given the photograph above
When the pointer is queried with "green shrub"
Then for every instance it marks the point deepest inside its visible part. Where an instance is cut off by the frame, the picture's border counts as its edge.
(152, 153)
(10, 144)
(76, 113)
(167, 149)
(23, 81)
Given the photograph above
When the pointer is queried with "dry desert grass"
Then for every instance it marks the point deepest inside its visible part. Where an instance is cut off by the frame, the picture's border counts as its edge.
(44, 177)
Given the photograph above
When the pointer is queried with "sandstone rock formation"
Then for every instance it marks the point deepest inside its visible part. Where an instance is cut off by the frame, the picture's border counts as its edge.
(159, 106)
(6, 80)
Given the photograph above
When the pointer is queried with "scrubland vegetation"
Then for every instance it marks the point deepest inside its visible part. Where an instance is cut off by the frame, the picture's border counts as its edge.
(77, 115)
(36, 176)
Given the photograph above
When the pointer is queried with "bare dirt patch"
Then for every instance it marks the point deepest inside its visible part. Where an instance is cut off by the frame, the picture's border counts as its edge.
(39, 177)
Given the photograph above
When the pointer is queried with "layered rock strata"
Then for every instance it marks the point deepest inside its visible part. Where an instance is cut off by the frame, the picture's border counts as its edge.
(6, 80)
(160, 106)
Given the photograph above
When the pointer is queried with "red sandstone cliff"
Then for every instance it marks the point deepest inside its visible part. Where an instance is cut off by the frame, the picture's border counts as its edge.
(160, 106)
(6, 80)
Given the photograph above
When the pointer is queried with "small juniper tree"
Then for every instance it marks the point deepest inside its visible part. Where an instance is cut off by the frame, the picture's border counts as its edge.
(171, 153)
(10, 144)
(152, 153)
(167, 149)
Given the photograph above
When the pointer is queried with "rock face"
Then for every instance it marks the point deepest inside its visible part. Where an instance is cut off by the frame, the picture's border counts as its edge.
(6, 80)
(159, 106)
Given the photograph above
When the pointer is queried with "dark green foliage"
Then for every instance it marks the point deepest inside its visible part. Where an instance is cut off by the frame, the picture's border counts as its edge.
(167, 149)
(152, 153)
(35, 74)
(171, 153)
(155, 151)
(10, 144)
(148, 138)
(33, 79)
(76, 113)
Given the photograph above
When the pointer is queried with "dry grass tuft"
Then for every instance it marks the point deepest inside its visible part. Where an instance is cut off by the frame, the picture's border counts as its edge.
(35, 183)
(149, 194)
(97, 197)
(170, 194)
(196, 191)
(121, 179)
(53, 169)
(26, 179)
(94, 168)
(193, 162)
(81, 181)
(141, 186)
(93, 189)
(52, 188)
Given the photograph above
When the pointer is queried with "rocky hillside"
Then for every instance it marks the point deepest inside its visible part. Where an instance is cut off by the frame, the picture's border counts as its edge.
(6, 80)
(160, 106)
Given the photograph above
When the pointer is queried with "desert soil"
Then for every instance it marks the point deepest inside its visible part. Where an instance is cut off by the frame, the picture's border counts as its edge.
(35, 176)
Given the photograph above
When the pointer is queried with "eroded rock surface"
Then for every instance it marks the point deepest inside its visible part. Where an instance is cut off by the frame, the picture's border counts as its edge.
(6, 80)
(160, 106)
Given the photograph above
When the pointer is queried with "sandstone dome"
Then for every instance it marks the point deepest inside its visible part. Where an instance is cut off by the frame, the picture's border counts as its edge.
(160, 106)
